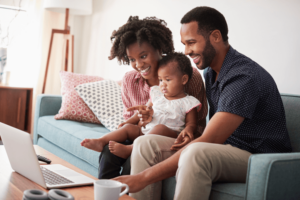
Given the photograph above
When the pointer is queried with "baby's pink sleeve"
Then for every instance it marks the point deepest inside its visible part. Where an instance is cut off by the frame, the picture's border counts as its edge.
(193, 103)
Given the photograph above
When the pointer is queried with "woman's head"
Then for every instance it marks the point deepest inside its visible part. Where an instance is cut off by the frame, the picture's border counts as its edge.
(139, 39)
(174, 71)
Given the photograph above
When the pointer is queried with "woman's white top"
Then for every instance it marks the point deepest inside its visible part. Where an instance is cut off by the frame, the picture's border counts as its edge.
(171, 113)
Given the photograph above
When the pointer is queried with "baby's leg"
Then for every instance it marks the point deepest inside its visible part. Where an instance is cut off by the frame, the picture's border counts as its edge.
(163, 130)
(121, 150)
(128, 131)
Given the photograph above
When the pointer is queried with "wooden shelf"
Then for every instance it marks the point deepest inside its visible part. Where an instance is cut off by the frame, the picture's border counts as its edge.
(16, 107)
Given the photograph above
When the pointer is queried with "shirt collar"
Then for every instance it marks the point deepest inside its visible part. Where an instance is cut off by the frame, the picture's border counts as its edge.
(137, 76)
(224, 69)
(139, 79)
(227, 63)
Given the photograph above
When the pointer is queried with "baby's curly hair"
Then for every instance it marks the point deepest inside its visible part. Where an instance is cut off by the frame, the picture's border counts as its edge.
(183, 62)
(150, 29)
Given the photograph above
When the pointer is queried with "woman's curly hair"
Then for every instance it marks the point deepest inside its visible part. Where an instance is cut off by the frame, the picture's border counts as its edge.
(150, 29)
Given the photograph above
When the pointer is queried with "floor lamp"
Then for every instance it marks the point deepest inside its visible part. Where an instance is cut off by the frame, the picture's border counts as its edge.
(73, 7)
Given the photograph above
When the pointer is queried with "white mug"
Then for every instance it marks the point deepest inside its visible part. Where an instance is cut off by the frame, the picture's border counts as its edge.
(105, 189)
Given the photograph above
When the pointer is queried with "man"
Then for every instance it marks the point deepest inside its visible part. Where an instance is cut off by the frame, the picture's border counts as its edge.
(246, 116)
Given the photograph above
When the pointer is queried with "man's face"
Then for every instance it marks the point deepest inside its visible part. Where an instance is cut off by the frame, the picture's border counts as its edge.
(199, 49)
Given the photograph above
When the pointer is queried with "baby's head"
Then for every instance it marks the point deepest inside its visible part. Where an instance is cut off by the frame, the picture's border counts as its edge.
(174, 71)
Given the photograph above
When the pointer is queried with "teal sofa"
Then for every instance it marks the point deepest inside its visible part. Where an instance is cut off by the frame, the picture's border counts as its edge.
(270, 176)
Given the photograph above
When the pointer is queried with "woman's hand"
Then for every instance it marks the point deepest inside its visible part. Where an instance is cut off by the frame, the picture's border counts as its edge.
(180, 142)
(145, 114)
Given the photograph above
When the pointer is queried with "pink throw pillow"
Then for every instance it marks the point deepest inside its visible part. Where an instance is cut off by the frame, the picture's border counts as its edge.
(72, 106)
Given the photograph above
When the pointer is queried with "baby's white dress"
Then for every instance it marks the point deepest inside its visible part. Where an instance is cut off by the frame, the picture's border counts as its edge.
(171, 113)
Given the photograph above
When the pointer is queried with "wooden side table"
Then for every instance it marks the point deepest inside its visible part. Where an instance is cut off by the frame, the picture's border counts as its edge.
(16, 107)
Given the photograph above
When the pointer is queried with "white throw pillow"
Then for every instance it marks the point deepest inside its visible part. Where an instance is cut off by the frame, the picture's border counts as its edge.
(104, 99)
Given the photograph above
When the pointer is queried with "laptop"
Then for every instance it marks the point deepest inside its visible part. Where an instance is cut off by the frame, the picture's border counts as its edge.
(23, 160)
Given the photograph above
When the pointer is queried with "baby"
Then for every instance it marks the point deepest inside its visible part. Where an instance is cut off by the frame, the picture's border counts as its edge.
(175, 112)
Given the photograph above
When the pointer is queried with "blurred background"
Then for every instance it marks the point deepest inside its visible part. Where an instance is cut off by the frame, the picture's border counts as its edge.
(267, 31)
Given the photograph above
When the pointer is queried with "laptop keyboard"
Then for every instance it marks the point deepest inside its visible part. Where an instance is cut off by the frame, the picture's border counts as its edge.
(53, 178)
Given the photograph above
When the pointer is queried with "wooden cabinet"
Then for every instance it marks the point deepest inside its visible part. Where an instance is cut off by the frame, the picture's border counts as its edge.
(16, 107)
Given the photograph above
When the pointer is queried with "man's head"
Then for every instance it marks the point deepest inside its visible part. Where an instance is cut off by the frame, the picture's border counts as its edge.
(203, 30)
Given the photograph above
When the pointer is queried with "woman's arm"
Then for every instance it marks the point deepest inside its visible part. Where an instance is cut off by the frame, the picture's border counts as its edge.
(127, 103)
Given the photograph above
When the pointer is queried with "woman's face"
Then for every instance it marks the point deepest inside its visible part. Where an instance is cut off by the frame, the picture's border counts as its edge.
(144, 59)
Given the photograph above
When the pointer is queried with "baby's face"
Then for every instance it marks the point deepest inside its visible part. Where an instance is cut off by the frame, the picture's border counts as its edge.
(170, 80)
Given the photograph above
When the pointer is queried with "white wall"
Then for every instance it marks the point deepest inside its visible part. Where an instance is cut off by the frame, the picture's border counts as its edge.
(265, 30)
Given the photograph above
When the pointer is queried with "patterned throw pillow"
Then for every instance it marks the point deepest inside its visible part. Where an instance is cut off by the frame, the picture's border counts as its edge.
(72, 106)
(104, 99)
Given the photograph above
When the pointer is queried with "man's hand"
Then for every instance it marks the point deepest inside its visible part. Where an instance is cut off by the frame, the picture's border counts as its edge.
(145, 113)
(133, 181)
(180, 142)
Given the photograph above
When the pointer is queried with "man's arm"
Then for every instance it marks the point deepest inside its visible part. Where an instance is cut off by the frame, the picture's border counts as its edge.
(220, 127)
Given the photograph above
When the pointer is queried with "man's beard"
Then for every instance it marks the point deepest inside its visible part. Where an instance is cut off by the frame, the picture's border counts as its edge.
(207, 55)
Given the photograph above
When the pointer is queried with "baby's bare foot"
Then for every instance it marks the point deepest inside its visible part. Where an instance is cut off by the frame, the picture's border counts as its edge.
(93, 144)
(120, 150)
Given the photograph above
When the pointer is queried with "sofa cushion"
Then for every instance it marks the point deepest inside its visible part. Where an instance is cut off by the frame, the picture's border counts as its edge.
(219, 191)
(68, 134)
(72, 106)
(105, 100)
(291, 105)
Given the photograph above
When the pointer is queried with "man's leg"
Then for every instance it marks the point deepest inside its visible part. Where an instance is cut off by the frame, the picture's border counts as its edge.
(201, 164)
(110, 164)
(147, 151)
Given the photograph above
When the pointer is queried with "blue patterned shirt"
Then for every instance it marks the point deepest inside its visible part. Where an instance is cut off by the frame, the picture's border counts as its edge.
(246, 89)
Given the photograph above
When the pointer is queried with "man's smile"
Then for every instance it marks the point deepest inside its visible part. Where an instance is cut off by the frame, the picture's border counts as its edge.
(196, 58)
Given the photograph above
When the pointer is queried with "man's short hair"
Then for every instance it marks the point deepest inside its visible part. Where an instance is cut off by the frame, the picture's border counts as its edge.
(208, 19)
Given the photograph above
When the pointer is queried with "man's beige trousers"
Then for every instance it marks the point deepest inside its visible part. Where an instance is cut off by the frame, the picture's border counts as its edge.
(200, 165)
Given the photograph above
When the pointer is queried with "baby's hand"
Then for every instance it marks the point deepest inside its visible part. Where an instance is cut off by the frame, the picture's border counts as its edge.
(145, 113)
(180, 142)
(184, 133)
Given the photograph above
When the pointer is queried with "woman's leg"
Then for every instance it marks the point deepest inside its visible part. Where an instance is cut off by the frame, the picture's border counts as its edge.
(163, 130)
(110, 165)
(128, 131)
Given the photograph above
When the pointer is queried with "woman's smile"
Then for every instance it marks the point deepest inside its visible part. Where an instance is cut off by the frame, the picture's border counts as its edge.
(146, 71)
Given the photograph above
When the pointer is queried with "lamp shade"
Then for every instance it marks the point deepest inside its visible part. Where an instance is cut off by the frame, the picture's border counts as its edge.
(76, 7)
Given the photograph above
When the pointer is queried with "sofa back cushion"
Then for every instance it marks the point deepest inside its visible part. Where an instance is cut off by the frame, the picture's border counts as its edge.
(291, 105)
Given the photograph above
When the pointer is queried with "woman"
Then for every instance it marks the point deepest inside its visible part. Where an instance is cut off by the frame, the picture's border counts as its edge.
(142, 43)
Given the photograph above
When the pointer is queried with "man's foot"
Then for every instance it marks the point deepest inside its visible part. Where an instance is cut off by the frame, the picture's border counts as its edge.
(121, 150)
(93, 144)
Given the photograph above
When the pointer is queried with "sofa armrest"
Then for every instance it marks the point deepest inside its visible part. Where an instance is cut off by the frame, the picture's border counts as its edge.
(273, 176)
(45, 105)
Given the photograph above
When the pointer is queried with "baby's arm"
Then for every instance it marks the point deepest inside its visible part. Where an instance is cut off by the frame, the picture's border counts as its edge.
(190, 124)
(187, 134)
(142, 117)
(145, 116)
